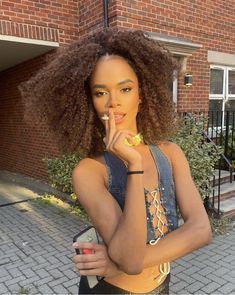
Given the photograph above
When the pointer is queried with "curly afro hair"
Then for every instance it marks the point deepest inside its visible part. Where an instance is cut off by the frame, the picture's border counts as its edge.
(60, 92)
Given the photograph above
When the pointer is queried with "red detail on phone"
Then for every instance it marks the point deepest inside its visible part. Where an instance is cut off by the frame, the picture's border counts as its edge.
(87, 251)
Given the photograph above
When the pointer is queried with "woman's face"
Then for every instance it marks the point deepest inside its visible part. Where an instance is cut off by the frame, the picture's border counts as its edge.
(114, 84)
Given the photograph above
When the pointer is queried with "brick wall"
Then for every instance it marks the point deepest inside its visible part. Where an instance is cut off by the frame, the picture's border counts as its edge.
(209, 23)
(49, 20)
(22, 146)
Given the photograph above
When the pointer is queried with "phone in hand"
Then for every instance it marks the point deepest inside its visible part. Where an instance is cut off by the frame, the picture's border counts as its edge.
(89, 234)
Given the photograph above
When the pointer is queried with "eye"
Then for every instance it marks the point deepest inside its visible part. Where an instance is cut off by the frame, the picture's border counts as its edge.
(126, 89)
(99, 93)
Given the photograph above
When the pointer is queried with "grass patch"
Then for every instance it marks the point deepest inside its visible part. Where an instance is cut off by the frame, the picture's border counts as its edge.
(62, 207)
(23, 290)
(221, 226)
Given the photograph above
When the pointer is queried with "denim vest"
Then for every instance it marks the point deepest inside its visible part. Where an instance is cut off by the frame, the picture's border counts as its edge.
(117, 187)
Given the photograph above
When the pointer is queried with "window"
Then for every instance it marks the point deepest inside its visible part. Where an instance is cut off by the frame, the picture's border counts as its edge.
(222, 92)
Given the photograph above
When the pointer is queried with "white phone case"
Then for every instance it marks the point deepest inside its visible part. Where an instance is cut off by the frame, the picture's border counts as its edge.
(89, 234)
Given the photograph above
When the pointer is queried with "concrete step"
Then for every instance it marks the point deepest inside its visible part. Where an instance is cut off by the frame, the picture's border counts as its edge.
(227, 207)
(224, 177)
(227, 190)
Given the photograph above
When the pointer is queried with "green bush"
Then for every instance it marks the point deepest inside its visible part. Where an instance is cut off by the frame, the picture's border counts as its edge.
(60, 171)
(231, 142)
(202, 155)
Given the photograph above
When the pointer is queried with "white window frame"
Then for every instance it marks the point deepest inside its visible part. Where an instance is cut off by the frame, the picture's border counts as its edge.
(175, 89)
(225, 95)
(229, 96)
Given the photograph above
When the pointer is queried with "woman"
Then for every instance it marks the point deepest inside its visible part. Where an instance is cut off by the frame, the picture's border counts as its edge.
(108, 96)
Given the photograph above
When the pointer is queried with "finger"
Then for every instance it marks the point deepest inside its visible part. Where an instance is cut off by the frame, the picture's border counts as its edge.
(84, 258)
(111, 126)
(92, 272)
(106, 138)
(90, 265)
(84, 248)
(83, 245)
(123, 137)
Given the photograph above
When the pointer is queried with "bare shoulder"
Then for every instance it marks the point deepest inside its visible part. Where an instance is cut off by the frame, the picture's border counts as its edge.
(171, 150)
(89, 168)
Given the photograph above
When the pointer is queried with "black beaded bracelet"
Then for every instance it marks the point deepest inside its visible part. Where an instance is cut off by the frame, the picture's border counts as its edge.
(135, 172)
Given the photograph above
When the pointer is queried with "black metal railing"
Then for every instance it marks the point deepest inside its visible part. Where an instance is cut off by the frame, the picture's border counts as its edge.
(219, 131)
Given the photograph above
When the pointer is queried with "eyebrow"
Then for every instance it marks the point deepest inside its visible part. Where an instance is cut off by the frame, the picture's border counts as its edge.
(119, 83)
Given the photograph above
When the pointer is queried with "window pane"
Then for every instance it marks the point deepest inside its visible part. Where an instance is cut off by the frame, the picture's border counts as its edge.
(215, 112)
(230, 105)
(215, 104)
(231, 82)
(216, 81)
(229, 111)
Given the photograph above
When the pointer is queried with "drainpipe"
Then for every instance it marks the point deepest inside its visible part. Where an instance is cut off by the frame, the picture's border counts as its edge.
(106, 11)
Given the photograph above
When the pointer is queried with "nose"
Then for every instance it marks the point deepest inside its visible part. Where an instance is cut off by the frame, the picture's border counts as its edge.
(113, 100)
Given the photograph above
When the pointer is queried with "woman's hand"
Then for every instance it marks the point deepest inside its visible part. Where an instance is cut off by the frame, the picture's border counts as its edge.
(95, 263)
(114, 141)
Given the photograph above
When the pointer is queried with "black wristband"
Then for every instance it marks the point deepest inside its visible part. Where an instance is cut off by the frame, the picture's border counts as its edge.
(135, 172)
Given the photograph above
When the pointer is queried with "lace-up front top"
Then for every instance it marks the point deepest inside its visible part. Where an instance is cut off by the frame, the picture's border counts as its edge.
(160, 203)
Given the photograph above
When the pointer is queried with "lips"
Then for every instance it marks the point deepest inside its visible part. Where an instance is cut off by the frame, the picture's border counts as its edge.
(118, 117)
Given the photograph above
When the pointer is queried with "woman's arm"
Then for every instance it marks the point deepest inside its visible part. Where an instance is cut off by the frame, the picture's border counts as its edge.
(196, 230)
(124, 233)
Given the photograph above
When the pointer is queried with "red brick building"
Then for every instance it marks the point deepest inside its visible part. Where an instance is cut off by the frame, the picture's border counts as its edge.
(200, 33)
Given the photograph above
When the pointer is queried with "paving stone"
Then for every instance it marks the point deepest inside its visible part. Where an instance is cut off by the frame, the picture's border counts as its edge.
(228, 288)
(194, 287)
(60, 290)
(3, 272)
(41, 273)
(45, 289)
(14, 288)
(5, 278)
(206, 270)
(201, 278)
(45, 281)
(73, 290)
(3, 289)
(215, 278)
(15, 280)
(55, 273)
(28, 272)
(211, 287)
(70, 274)
(177, 288)
(29, 281)
(58, 282)
(71, 282)
(187, 278)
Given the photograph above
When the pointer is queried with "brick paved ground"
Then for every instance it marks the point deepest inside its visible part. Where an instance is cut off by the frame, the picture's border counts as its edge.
(36, 255)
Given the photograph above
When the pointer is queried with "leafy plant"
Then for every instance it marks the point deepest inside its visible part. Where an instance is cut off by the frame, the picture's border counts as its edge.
(23, 290)
(221, 226)
(201, 154)
(60, 171)
(230, 138)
